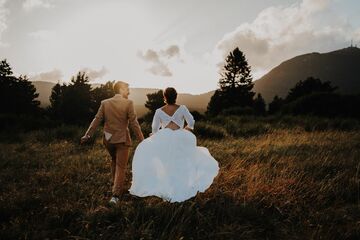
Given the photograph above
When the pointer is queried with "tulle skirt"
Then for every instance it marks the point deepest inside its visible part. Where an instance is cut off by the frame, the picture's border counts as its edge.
(170, 165)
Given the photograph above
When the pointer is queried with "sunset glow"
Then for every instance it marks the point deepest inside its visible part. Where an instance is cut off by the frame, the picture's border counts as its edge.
(160, 43)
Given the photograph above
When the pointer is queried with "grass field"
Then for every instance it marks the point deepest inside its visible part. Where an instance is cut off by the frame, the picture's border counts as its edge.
(279, 179)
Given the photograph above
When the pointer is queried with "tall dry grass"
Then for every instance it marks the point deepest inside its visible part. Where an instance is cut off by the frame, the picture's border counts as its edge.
(282, 183)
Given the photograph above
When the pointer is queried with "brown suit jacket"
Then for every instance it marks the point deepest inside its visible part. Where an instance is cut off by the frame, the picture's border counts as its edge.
(118, 114)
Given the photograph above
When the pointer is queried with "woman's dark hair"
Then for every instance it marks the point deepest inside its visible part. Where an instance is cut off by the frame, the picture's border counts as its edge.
(170, 95)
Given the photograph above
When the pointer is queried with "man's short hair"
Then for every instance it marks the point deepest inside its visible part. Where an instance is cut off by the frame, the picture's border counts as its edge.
(119, 85)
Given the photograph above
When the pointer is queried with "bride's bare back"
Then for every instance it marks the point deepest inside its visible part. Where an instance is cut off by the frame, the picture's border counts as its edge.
(170, 110)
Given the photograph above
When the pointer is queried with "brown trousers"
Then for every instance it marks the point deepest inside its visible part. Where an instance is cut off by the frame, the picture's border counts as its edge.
(119, 153)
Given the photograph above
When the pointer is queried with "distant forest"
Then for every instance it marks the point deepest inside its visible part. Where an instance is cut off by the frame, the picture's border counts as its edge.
(76, 102)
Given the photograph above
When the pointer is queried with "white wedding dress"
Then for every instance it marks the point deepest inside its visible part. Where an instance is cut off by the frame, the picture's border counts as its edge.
(168, 164)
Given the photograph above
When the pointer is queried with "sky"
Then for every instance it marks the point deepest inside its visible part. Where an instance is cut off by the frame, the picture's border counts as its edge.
(161, 43)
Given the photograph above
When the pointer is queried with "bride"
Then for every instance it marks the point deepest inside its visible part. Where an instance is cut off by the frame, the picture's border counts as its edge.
(168, 164)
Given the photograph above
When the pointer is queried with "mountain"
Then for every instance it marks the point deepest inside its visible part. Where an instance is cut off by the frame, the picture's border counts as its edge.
(138, 95)
(341, 68)
(44, 91)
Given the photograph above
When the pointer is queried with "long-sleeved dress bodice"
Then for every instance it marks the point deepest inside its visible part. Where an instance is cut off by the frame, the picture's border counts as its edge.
(162, 119)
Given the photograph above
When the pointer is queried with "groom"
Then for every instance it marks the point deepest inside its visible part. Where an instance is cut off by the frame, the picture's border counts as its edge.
(118, 114)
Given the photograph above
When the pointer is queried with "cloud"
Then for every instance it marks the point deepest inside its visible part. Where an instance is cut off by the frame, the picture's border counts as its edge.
(32, 4)
(56, 75)
(357, 37)
(171, 51)
(159, 59)
(150, 56)
(3, 21)
(160, 69)
(43, 35)
(51, 76)
(314, 5)
(94, 74)
(279, 33)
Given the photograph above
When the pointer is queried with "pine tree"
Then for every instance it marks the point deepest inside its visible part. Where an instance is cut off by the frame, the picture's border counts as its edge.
(276, 104)
(17, 94)
(56, 100)
(307, 87)
(77, 100)
(155, 101)
(100, 93)
(216, 103)
(259, 105)
(5, 69)
(28, 95)
(235, 84)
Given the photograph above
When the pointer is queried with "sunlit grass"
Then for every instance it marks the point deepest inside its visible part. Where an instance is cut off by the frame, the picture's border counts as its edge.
(282, 183)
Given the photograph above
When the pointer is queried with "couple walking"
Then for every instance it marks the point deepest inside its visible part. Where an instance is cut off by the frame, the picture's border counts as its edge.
(168, 163)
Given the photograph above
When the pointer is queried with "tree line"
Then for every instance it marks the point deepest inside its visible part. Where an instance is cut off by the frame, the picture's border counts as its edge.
(235, 96)
(76, 102)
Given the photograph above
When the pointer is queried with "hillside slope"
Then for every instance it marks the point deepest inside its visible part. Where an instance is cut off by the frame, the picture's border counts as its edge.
(340, 67)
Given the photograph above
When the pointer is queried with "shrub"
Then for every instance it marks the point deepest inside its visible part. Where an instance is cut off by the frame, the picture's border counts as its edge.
(325, 105)
(208, 130)
(197, 116)
(21, 123)
(239, 111)
(242, 126)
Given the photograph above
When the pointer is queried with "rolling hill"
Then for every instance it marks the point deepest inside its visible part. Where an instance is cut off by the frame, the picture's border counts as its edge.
(341, 68)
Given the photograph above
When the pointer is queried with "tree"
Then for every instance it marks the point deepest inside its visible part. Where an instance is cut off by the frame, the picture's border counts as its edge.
(100, 93)
(56, 101)
(27, 96)
(235, 84)
(17, 94)
(307, 87)
(259, 105)
(325, 104)
(77, 100)
(155, 101)
(216, 103)
(276, 104)
(5, 69)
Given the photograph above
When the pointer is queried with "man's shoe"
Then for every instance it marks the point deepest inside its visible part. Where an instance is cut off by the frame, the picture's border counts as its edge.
(114, 200)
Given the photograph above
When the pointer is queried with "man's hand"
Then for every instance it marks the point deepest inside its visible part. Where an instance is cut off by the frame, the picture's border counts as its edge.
(84, 139)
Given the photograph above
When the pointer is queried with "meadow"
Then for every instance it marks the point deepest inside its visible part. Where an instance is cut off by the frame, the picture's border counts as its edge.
(280, 178)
